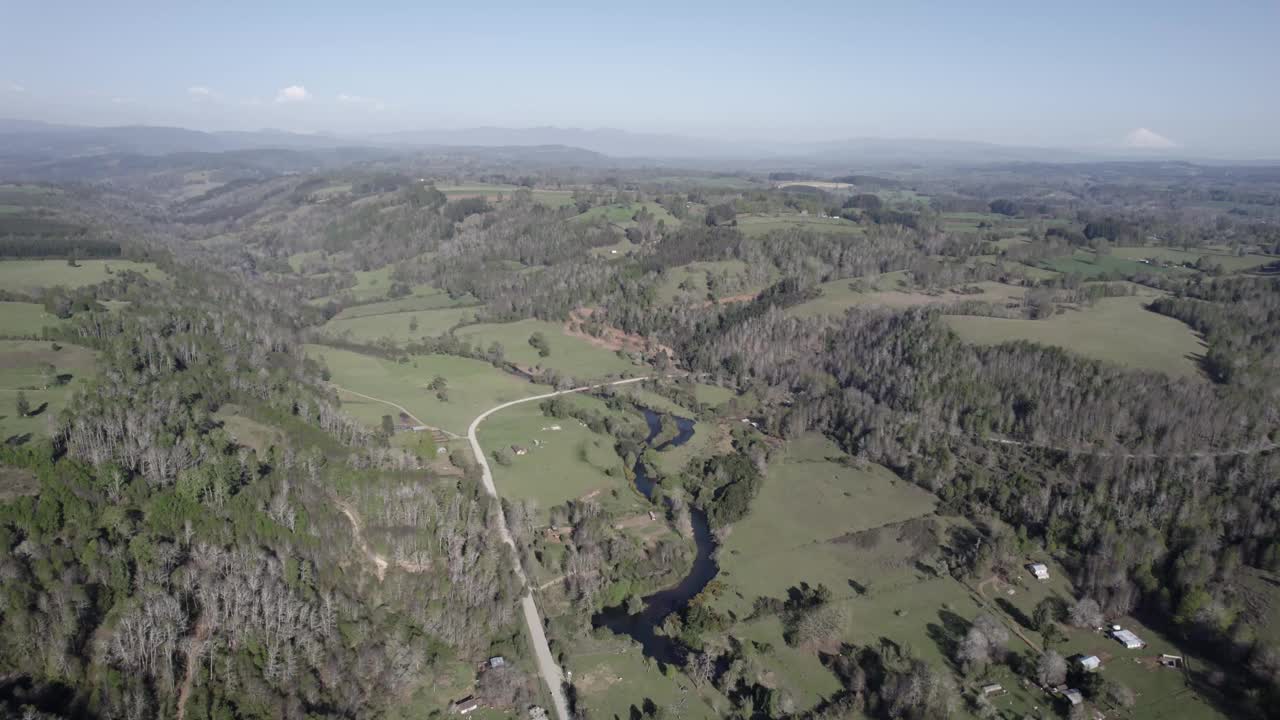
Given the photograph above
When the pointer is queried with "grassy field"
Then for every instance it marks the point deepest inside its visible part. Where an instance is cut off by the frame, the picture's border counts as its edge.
(24, 319)
(425, 299)
(560, 465)
(396, 325)
(571, 356)
(695, 276)
(808, 501)
(247, 431)
(613, 678)
(28, 275)
(755, 225)
(473, 386)
(20, 370)
(838, 296)
(1090, 264)
(1118, 330)
(621, 214)
(1229, 262)
(492, 192)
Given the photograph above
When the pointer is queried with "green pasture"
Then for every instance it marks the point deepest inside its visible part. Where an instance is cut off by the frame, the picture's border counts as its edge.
(397, 325)
(20, 319)
(21, 363)
(570, 356)
(30, 275)
(473, 386)
(1119, 330)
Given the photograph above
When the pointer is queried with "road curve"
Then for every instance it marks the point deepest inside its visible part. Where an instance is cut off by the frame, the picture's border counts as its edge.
(552, 673)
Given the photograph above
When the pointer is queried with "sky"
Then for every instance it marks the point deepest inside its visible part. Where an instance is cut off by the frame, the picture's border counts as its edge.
(1198, 76)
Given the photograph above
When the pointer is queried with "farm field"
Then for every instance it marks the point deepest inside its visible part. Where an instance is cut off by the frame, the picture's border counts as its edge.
(473, 386)
(28, 275)
(425, 299)
(570, 356)
(839, 295)
(1090, 265)
(560, 465)
(1118, 330)
(621, 214)
(21, 363)
(550, 198)
(613, 680)
(1228, 261)
(755, 225)
(396, 325)
(807, 502)
(25, 319)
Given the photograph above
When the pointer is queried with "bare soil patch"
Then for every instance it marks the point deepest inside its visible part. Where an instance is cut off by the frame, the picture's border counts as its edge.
(610, 338)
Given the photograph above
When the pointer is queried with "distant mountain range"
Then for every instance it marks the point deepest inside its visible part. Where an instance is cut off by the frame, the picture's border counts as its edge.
(20, 138)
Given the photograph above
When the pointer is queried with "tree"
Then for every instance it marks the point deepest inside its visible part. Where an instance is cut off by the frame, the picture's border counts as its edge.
(1086, 613)
(413, 324)
(1051, 670)
(539, 342)
(388, 425)
(24, 406)
(1119, 694)
(438, 383)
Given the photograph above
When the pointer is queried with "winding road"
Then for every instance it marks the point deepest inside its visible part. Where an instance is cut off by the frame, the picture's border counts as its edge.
(552, 673)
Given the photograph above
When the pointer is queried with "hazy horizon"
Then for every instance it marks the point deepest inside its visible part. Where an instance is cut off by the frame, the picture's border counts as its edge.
(1178, 77)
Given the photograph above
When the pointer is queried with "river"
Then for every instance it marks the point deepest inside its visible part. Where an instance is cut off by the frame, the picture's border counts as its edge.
(643, 626)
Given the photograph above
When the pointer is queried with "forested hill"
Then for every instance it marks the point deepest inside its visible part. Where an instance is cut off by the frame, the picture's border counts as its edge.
(158, 547)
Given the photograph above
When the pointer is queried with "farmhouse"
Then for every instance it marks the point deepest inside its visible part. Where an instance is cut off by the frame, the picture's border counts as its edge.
(1089, 663)
(519, 450)
(1127, 638)
(465, 706)
(1040, 570)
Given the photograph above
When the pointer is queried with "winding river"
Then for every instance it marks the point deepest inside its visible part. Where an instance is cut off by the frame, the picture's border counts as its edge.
(643, 626)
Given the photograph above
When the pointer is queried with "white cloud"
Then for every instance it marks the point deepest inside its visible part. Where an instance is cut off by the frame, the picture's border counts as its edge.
(293, 93)
(1144, 139)
(361, 100)
(15, 87)
(200, 92)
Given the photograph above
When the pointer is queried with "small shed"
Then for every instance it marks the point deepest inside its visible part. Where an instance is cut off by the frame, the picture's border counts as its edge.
(1128, 639)
(497, 661)
(1173, 661)
(1089, 663)
(1040, 570)
(465, 706)
(992, 689)
(1073, 696)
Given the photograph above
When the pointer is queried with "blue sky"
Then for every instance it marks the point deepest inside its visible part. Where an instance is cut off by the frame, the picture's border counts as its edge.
(1077, 74)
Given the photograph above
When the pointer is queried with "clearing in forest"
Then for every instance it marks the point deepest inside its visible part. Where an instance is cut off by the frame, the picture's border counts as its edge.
(23, 366)
(28, 275)
(471, 386)
(1119, 330)
(22, 319)
(570, 356)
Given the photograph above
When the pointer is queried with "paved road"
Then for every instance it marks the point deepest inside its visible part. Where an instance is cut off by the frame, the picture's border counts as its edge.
(551, 671)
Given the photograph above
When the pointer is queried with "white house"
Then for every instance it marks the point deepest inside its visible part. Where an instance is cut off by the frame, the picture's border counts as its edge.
(1128, 639)
(1040, 570)
(1089, 663)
